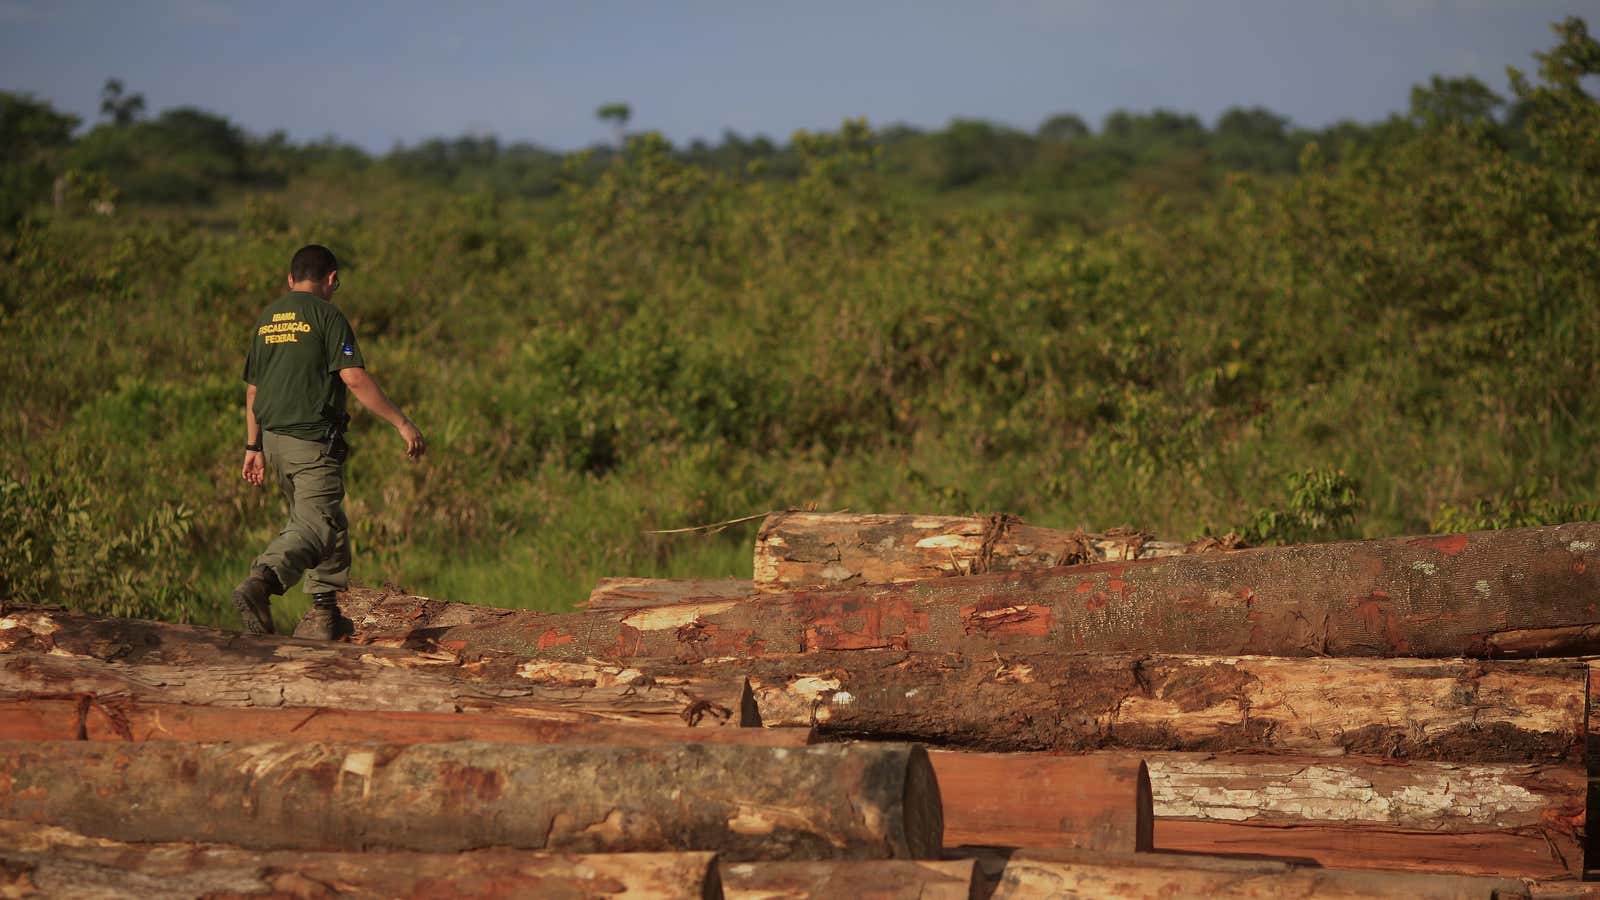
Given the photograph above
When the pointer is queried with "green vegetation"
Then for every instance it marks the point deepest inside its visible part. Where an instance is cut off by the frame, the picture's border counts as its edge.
(1369, 330)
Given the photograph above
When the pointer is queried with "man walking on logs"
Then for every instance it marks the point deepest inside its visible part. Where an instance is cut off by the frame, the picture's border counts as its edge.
(303, 359)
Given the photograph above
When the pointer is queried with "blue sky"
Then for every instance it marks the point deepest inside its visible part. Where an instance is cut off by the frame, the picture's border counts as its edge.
(379, 72)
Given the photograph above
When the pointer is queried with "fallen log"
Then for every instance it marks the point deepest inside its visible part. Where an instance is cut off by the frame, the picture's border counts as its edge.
(1098, 802)
(187, 871)
(121, 717)
(641, 593)
(1105, 876)
(54, 652)
(1461, 710)
(1448, 595)
(771, 803)
(874, 880)
(1334, 845)
(1545, 801)
(804, 550)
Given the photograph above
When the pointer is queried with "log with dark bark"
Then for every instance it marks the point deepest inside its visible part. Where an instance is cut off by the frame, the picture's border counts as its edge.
(121, 717)
(1463, 710)
(804, 550)
(1104, 876)
(770, 803)
(874, 880)
(53, 652)
(1452, 595)
(640, 593)
(1095, 802)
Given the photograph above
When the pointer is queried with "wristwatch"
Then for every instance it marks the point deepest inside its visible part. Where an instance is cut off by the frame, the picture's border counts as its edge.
(253, 448)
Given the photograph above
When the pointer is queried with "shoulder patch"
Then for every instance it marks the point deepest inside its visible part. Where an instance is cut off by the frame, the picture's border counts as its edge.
(349, 349)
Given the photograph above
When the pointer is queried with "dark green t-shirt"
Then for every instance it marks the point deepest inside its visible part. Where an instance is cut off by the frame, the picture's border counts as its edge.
(299, 345)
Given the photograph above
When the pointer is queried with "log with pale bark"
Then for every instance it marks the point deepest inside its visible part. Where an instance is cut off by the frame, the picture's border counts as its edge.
(186, 871)
(1518, 592)
(874, 880)
(803, 550)
(1094, 802)
(641, 593)
(772, 803)
(1381, 813)
(122, 717)
(1462, 710)
(1104, 876)
(54, 652)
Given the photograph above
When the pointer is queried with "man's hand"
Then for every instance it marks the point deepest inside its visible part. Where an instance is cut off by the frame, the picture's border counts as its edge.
(415, 445)
(255, 467)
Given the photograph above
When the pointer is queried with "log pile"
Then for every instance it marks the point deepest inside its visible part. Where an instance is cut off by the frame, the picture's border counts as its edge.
(896, 706)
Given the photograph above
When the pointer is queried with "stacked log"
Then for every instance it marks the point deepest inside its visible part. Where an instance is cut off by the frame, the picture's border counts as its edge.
(804, 550)
(1519, 592)
(1357, 719)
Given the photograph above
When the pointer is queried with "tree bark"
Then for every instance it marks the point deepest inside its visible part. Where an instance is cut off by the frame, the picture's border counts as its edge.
(186, 871)
(56, 652)
(1451, 595)
(875, 880)
(642, 593)
(772, 803)
(1098, 802)
(120, 717)
(1543, 800)
(1158, 877)
(1460, 710)
(802, 550)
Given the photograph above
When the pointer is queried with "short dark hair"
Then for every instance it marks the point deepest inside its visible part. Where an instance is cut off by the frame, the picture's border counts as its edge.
(313, 262)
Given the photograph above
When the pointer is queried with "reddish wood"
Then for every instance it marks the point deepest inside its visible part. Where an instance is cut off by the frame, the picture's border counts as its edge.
(1369, 847)
(1106, 876)
(118, 717)
(1442, 595)
(821, 802)
(1095, 802)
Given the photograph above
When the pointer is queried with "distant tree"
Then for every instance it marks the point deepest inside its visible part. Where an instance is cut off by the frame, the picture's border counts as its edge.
(1453, 101)
(33, 137)
(122, 109)
(1064, 127)
(1253, 139)
(617, 114)
(1560, 118)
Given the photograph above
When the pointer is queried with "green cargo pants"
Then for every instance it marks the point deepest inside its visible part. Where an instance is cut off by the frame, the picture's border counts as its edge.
(316, 539)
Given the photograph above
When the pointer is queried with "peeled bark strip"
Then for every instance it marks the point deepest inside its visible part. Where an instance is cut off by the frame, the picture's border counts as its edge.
(1446, 595)
(190, 872)
(823, 802)
(875, 880)
(639, 593)
(1542, 800)
(1460, 710)
(1099, 802)
(1031, 874)
(803, 550)
(182, 664)
(119, 717)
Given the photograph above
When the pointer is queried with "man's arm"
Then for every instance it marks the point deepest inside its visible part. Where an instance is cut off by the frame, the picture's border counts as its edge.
(255, 465)
(373, 398)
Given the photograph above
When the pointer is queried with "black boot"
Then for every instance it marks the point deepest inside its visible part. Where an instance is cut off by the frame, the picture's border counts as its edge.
(253, 599)
(323, 621)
